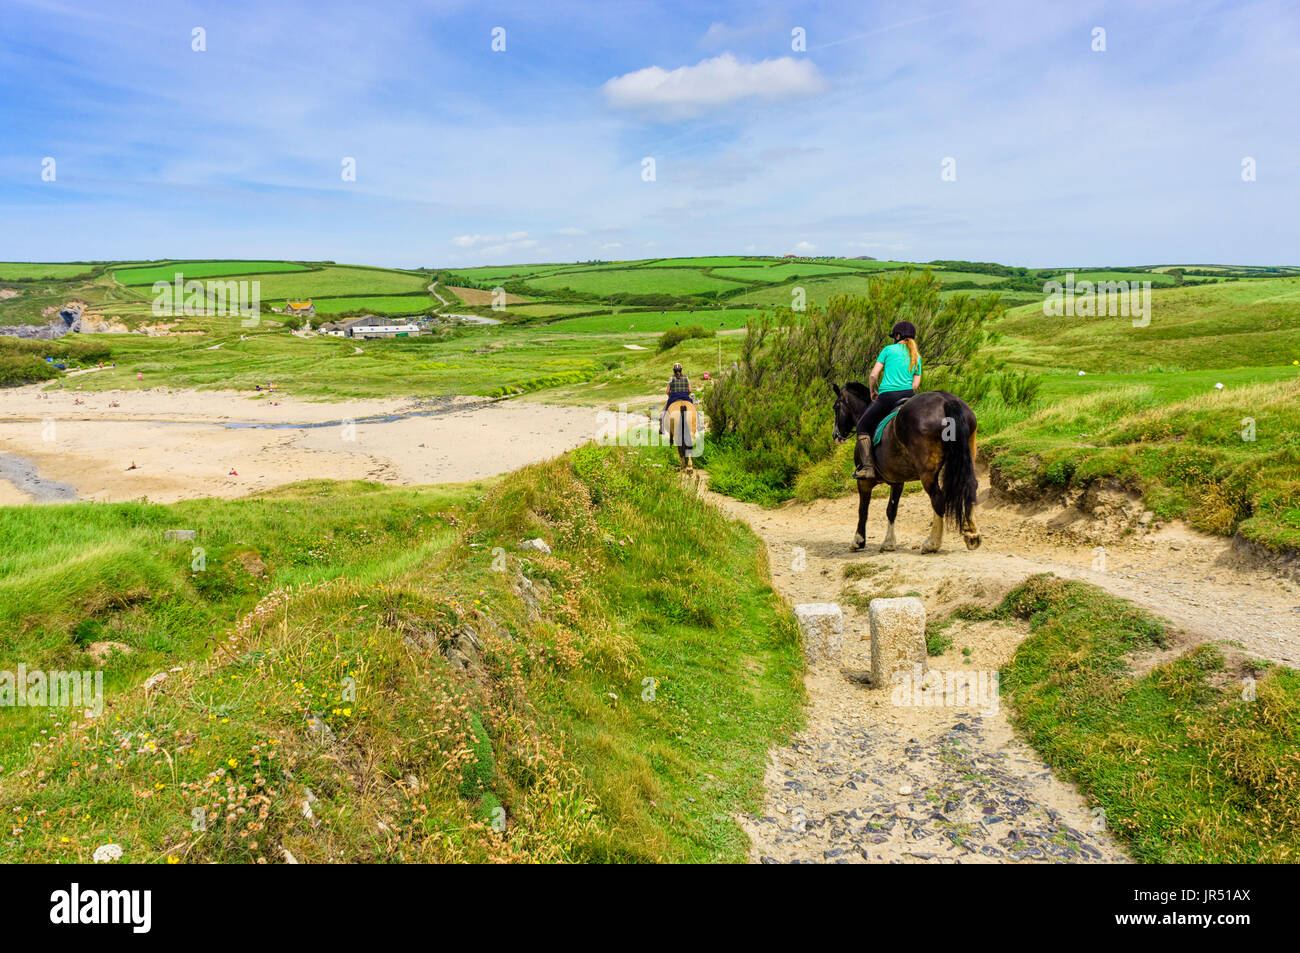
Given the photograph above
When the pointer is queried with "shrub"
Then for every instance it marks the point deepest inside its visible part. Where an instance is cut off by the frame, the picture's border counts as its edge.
(776, 401)
(18, 369)
(675, 336)
(1018, 388)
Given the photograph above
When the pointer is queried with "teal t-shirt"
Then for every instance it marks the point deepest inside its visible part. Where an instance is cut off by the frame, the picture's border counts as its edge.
(898, 372)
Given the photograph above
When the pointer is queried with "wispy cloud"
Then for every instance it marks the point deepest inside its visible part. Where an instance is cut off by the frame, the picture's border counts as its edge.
(691, 90)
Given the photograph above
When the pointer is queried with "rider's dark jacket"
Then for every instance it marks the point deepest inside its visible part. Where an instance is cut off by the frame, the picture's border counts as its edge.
(679, 388)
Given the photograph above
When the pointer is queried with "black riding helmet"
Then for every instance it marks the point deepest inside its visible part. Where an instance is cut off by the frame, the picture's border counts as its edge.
(903, 329)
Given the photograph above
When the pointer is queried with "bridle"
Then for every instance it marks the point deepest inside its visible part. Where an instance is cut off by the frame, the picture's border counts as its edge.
(835, 422)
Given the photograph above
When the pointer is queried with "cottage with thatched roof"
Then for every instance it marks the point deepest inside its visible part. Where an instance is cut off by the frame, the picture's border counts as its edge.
(300, 308)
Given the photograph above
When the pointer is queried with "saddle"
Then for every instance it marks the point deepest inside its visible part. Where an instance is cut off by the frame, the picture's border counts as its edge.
(880, 429)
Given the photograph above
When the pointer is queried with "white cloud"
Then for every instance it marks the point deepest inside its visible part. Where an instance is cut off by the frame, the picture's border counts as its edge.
(570, 230)
(495, 245)
(804, 248)
(505, 248)
(514, 238)
(690, 90)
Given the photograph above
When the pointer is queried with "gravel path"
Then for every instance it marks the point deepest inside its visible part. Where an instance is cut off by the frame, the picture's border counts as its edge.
(876, 779)
(871, 782)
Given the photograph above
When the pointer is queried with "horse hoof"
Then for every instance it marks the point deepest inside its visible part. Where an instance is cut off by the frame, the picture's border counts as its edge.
(927, 548)
(858, 543)
(972, 542)
(888, 547)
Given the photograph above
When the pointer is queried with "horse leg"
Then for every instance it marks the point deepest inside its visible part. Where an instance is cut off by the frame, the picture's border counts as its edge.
(895, 494)
(970, 532)
(935, 540)
(864, 503)
(688, 454)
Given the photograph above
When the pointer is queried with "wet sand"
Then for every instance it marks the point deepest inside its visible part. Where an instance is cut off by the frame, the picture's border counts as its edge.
(169, 445)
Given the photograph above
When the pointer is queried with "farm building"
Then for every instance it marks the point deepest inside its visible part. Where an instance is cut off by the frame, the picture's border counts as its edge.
(300, 307)
(334, 329)
(370, 326)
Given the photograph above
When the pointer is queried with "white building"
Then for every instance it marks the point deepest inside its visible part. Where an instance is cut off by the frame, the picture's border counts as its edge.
(373, 327)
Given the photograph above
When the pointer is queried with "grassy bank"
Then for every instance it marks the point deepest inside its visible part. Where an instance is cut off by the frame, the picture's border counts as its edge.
(1197, 761)
(407, 685)
(1226, 461)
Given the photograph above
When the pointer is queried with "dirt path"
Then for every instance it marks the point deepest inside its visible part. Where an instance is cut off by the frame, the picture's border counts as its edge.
(877, 778)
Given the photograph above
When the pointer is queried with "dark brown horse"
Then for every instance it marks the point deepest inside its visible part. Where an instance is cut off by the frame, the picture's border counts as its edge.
(932, 440)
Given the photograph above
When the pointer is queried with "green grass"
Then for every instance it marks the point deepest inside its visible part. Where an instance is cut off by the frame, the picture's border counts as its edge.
(147, 275)
(333, 281)
(624, 715)
(485, 361)
(653, 322)
(1186, 769)
(780, 272)
(375, 304)
(545, 309)
(1147, 412)
(1190, 458)
(715, 261)
(1233, 324)
(605, 282)
(36, 271)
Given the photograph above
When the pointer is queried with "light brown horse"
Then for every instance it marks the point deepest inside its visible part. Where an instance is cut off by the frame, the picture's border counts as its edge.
(680, 421)
(932, 439)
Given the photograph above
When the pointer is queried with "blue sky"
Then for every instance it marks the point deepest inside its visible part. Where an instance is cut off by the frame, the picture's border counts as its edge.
(1063, 155)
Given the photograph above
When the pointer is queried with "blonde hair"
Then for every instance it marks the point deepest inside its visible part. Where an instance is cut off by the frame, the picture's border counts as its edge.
(913, 353)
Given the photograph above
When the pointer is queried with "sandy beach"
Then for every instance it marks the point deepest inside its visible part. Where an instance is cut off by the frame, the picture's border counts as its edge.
(168, 445)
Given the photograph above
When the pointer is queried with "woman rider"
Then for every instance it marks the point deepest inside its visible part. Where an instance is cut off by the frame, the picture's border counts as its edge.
(895, 377)
(679, 388)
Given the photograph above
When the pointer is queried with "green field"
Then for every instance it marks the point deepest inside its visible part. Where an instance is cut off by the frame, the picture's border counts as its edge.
(672, 281)
(35, 271)
(780, 272)
(333, 281)
(1233, 324)
(375, 304)
(647, 322)
(202, 269)
(547, 310)
(718, 261)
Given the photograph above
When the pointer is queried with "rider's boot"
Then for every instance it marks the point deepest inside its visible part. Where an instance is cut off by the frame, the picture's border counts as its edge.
(866, 469)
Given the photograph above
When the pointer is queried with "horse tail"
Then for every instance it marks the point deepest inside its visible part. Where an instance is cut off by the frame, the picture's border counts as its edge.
(687, 438)
(957, 480)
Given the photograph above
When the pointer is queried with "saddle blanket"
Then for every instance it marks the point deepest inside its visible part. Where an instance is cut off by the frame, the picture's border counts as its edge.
(880, 431)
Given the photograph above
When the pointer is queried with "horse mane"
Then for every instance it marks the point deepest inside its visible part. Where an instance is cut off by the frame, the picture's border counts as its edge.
(859, 390)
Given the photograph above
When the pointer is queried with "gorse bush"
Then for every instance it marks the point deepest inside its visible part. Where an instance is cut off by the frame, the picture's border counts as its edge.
(675, 336)
(1018, 389)
(18, 369)
(777, 400)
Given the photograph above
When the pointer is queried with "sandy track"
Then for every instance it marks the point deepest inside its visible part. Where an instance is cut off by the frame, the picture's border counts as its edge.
(871, 780)
(1198, 582)
(186, 444)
